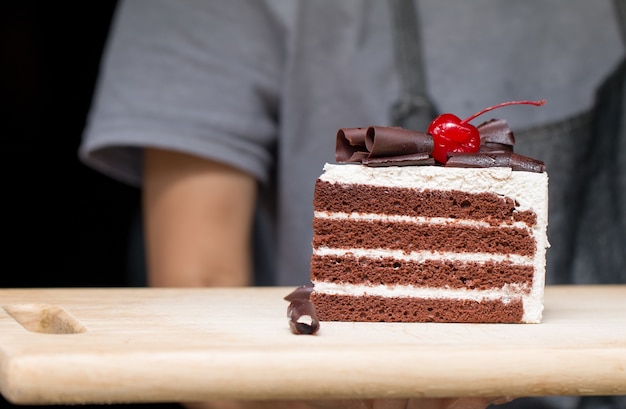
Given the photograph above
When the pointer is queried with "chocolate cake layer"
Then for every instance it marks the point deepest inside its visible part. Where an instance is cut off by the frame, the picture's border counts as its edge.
(428, 273)
(382, 309)
(347, 233)
(488, 207)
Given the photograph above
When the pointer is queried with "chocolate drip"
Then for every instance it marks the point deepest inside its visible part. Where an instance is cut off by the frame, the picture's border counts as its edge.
(395, 146)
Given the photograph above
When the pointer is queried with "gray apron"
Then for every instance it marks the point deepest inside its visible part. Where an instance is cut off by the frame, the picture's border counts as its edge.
(586, 160)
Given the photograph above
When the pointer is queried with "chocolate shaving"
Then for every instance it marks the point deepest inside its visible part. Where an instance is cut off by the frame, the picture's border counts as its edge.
(301, 293)
(496, 131)
(495, 159)
(495, 136)
(524, 163)
(364, 145)
(490, 147)
(350, 145)
(301, 311)
(302, 317)
(384, 141)
(416, 159)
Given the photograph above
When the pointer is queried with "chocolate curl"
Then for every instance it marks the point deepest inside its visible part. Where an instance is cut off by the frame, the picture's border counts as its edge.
(496, 136)
(385, 141)
(416, 159)
(301, 293)
(495, 159)
(301, 311)
(302, 317)
(524, 163)
(496, 131)
(383, 145)
(350, 145)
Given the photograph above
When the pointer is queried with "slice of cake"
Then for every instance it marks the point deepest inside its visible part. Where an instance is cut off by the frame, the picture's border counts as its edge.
(463, 241)
(429, 243)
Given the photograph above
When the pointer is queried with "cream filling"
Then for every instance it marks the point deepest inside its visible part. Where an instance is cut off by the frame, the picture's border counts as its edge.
(505, 293)
(421, 256)
(414, 219)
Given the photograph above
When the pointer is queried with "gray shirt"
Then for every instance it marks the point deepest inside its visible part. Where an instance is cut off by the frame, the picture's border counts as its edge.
(264, 86)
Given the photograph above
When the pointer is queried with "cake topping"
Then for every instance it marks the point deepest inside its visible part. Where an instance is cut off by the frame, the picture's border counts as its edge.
(452, 135)
(301, 293)
(495, 159)
(495, 135)
(496, 150)
(378, 145)
(301, 311)
(449, 141)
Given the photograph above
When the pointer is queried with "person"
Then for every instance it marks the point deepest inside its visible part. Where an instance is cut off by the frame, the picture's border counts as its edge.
(225, 112)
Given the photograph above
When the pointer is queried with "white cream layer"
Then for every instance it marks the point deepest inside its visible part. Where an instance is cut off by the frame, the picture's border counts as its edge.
(426, 255)
(414, 219)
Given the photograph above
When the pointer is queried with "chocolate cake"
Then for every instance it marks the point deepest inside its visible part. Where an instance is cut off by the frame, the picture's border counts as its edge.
(401, 237)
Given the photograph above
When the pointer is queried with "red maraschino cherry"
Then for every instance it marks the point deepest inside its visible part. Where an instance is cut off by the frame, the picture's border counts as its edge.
(451, 134)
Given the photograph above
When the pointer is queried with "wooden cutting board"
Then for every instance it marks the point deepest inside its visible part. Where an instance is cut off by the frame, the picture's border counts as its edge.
(159, 345)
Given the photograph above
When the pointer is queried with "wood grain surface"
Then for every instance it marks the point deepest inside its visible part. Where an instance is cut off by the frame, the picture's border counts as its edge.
(164, 345)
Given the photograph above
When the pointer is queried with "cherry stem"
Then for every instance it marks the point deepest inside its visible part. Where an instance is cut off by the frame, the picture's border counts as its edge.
(504, 104)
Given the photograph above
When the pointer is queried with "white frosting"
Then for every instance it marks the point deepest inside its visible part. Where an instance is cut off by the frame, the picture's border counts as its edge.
(506, 292)
(421, 256)
(414, 219)
(528, 189)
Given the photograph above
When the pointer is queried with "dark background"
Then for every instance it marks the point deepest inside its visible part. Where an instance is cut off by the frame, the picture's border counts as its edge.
(63, 225)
